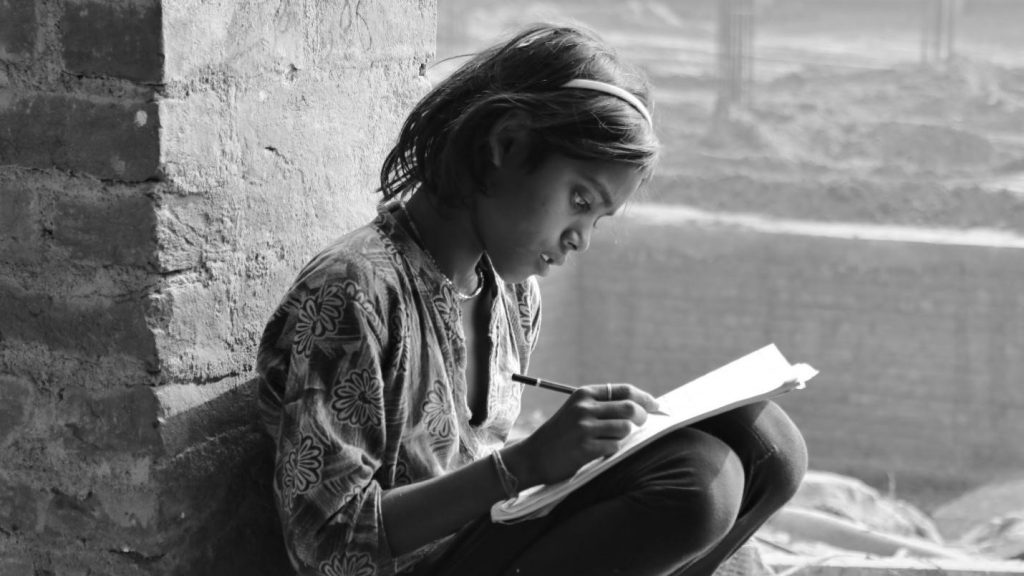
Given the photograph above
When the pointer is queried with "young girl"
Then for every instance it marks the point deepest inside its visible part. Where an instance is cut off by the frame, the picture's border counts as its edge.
(386, 370)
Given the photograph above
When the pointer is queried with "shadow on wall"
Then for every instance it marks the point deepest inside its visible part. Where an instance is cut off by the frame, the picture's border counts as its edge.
(216, 491)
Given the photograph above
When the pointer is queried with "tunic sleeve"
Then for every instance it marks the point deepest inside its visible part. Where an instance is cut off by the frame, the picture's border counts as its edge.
(326, 343)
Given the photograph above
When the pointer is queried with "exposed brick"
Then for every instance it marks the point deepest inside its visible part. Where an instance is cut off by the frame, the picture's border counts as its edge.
(17, 564)
(17, 29)
(70, 514)
(115, 229)
(14, 402)
(119, 39)
(90, 221)
(121, 420)
(60, 368)
(99, 327)
(119, 560)
(18, 507)
(19, 222)
(110, 140)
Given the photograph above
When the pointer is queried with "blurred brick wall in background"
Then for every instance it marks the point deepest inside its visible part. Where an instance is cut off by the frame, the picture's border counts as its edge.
(917, 332)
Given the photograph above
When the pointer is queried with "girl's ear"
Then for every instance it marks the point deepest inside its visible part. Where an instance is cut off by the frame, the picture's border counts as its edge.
(508, 138)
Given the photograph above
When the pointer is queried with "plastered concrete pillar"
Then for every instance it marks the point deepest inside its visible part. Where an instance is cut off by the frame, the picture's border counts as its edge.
(165, 169)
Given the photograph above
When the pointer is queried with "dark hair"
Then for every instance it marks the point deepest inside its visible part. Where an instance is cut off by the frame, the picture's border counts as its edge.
(443, 144)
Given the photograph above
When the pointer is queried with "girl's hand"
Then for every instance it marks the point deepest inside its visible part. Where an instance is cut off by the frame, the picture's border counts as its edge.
(590, 424)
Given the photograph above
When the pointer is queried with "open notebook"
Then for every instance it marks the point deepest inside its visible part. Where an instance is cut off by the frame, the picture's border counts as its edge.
(761, 374)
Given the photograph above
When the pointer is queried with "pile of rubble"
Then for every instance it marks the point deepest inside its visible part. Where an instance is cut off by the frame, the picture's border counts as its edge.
(838, 525)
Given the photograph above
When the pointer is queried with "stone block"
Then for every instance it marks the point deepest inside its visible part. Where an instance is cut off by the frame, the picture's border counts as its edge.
(15, 399)
(118, 39)
(111, 140)
(101, 326)
(197, 340)
(112, 229)
(17, 29)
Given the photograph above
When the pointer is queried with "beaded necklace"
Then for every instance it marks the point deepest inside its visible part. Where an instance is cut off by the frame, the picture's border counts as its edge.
(430, 258)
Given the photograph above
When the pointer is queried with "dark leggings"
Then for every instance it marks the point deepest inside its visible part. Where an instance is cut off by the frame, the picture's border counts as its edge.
(682, 505)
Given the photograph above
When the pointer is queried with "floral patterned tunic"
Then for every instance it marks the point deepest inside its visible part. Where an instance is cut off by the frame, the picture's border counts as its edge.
(362, 386)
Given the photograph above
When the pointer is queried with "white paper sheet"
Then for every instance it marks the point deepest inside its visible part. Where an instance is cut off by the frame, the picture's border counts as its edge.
(761, 374)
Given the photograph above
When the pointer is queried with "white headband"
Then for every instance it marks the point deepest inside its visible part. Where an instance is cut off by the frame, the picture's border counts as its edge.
(612, 90)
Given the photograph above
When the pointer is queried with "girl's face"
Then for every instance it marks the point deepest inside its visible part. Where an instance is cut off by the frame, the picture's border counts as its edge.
(529, 221)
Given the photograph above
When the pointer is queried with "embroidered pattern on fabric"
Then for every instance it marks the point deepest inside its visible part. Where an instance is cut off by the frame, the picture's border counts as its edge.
(333, 377)
(356, 400)
(356, 294)
(402, 475)
(319, 316)
(358, 564)
(437, 415)
(302, 468)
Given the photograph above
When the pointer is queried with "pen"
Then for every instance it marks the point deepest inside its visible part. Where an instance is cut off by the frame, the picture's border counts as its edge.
(559, 387)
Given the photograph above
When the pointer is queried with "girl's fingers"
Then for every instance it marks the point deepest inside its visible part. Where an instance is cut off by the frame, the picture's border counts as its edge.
(644, 399)
(619, 391)
(609, 391)
(602, 446)
(611, 429)
(625, 410)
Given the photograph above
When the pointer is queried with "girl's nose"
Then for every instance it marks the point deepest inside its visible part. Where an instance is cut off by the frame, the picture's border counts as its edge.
(577, 240)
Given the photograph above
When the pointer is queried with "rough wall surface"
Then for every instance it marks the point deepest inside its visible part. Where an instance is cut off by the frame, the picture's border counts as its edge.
(916, 332)
(165, 169)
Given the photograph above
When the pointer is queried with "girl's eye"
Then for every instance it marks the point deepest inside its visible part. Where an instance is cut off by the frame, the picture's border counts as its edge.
(579, 202)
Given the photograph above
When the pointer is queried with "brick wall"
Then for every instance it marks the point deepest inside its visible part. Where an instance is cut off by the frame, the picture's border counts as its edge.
(165, 169)
(916, 332)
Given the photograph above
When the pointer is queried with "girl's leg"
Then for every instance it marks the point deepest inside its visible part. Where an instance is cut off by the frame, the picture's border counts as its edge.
(774, 458)
(663, 507)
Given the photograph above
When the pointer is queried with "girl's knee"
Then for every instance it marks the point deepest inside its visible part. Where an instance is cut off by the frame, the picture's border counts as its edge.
(705, 489)
(722, 497)
(785, 465)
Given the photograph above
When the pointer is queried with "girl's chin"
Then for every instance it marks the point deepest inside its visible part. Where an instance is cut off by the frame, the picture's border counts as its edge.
(520, 268)
(517, 274)
(515, 278)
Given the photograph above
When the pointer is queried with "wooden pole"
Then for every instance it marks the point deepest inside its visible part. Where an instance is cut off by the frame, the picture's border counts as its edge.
(735, 53)
(938, 34)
